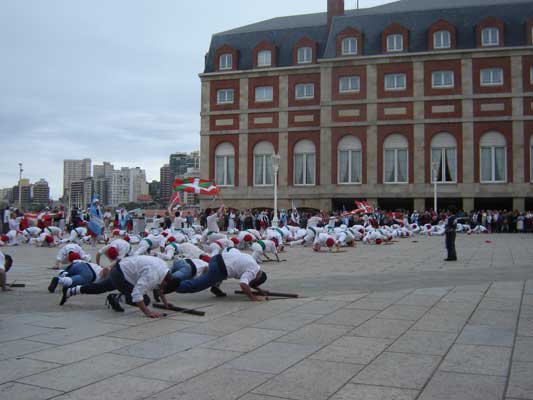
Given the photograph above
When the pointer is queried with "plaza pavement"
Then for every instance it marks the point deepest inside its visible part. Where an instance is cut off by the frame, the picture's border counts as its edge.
(375, 322)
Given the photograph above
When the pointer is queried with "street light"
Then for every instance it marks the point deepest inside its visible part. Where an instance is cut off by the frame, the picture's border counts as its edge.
(20, 186)
(435, 169)
(275, 168)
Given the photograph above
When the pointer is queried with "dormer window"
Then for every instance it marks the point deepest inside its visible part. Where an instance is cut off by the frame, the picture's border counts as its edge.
(305, 55)
(349, 46)
(442, 40)
(264, 58)
(490, 37)
(395, 42)
(226, 61)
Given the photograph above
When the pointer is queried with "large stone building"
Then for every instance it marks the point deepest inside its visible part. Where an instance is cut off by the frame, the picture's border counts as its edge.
(41, 193)
(374, 104)
(75, 171)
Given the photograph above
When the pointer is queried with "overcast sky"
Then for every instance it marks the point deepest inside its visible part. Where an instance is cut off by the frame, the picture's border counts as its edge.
(110, 80)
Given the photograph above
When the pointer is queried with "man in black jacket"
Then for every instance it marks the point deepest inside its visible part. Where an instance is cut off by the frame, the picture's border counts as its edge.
(451, 226)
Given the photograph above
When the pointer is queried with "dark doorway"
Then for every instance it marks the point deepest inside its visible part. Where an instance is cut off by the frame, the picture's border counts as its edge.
(529, 204)
(397, 205)
(444, 203)
(494, 203)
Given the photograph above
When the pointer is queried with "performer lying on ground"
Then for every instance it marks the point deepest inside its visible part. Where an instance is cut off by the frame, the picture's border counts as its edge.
(5, 265)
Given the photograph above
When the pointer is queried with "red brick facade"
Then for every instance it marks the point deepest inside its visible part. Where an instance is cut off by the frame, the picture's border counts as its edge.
(340, 72)
(442, 65)
(295, 138)
(393, 111)
(261, 120)
(490, 22)
(440, 109)
(304, 78)
(397, 68)
(528, 134)
(480, 63)
(304, 42)
(253, 83)
(225, 84)
(493, 107)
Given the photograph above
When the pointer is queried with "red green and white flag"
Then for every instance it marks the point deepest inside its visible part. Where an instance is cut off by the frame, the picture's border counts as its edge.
(195, 185)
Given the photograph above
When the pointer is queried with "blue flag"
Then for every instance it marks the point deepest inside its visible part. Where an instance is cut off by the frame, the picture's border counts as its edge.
(96, 223)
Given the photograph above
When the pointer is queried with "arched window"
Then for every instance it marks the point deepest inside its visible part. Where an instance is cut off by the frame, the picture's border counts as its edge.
(263, 174)
(493, 157)
(395, 158)
(349, 160)
(443, 168)
(225, 164)
(304, 163)
(349, 46)
(442, 40)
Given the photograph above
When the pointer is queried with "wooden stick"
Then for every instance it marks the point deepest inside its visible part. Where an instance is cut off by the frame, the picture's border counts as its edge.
(17, 285)
(180, 309)
(271, 294)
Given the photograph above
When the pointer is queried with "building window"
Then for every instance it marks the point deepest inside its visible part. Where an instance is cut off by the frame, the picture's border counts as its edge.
(305, 55)
(349, 46)
(490, 37)
(395, 158)
(305, 91)
(263, 174)
(225, 164)
(395, 82)
(442, 40)
(349, 160)
(225, 96)
(442, 79)
(531, 75)
(444, 155)
(349, 84)
(264, 58)
(226, 61)
(304, 163)
(531, 159)
(264, 94)
(493, 157)
(395, 42)
(491, 77)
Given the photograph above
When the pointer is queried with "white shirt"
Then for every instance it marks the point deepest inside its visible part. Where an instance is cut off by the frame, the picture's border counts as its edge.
(157, 241)
(2, 261)
(14, 224)
(62, 255)
(178, 222)
(53, 230)
(240, 266)
(189, 250)
(32, 231)
(201, 266)
(121, 245)
(80, 231)
(145, 273)
(270, 246)
(212, 225)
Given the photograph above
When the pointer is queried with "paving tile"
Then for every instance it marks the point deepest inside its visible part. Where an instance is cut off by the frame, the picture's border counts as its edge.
(120, 387)
(218, 327)
(527, 300)
(511, 293)
(529, 287)
(393, 295)
(419, 300)
(507, 285)
(273, 357)
(486, 335)
(410, 371)
(217, 384)
(370, 304)
(81, 350)
(348, 317)
(19, 391)
(251, 396)
(382, 328)
(348, 297)
(352, 349)
(525, 327)
(497, 319)
(310, 380)
(463, 310)
(440, 323)
(499, 304)
(436, 291)
(182, 366)
(315, 334)
(421, 342)
(320, 307)
(20, 347)
(480, 288)
(523, 350)
(73, 376)
(485, 360)
(16, 368)
(287, 321)
(400, 311)
(452, 386)
(75, 333)
(151, 330)
(244, 340)
(163, 346)
(462, 297)
(17, 330)
(520, 383)
(364, 392)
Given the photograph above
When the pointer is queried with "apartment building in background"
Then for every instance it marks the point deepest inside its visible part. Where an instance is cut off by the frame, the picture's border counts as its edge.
(374, 104)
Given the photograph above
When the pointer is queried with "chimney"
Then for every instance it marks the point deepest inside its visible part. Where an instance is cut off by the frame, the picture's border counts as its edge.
(335, 8)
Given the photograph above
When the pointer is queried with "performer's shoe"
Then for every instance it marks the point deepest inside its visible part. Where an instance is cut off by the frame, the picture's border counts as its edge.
(53, 284)
(112, 301)
(65, 296)
(217, 292)
(450, 259)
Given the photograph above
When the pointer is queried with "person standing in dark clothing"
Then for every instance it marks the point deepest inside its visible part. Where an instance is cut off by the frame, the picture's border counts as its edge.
(451, 226)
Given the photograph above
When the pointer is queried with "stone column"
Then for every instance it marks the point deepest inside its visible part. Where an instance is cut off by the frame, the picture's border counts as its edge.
(468, 127)
(204, 130)
(419, 205)
(325, 123)
(518, 123)
(372, 130)
(283, 137)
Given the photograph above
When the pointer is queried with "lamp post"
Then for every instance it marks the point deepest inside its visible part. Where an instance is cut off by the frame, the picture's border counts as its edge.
(275, 168)
(20, 186)
(435, 170)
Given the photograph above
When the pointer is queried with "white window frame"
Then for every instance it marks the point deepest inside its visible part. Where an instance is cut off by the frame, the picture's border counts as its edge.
(492, 75)
(349, 46)
(354, 84)
(438, 80)
(223, 62)
(351, 150)
(263, 154)
(531, 75)
(305, 155)
(493, 164)
(531, 159)
(264, 58)
(396, 182)
(305, 55)
(395, 42)
(308, 91)
(396, 86)
(493, 33)
(264, 94)
(439, 42)
(223, 96)
(226, 158)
